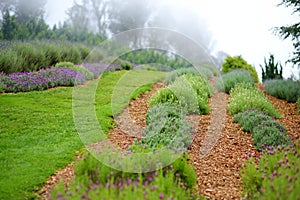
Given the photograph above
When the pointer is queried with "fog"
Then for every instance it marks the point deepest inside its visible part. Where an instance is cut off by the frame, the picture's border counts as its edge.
(234, 27)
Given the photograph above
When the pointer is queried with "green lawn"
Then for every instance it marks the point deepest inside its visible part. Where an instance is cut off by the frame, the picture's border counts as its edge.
(37, 130)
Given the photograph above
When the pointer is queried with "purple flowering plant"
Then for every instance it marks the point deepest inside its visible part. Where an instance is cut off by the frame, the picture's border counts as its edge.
(41, 80)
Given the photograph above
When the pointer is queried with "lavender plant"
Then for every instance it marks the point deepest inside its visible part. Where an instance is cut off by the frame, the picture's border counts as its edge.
(227, 81)
(41, 80)
(94, 180)
(283, 89)
(89, 75)
(276, 175)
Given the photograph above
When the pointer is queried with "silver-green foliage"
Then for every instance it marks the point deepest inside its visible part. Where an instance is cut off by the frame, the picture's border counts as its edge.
(227, 81)
(245, 96)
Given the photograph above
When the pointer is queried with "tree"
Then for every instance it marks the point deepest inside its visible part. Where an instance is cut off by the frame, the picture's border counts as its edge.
(9, 26)
(292, 31)
(25, 10)
(99, 10)
(271, 70)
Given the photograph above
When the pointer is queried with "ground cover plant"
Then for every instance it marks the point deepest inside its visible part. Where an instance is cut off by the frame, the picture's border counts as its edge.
(228, 80)
(38, 135)
(283, 89)
(166, 127)
(89, 75)
(94, 180)
(191, 92)
(201, 71)
(245, 96)
(264, 129)
(274, 174)
(40, 80)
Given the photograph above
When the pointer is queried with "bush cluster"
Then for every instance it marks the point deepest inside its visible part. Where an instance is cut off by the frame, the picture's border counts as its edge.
(89, 75)
(166, 127)
(170, 78)
(40, 80)
(94, 180)
(237, 62)
(275, 175)
(31, 56)
(200, 71)
(265, 131)
(227, 81)
(283, 89)
(189, 91)
(245, 96)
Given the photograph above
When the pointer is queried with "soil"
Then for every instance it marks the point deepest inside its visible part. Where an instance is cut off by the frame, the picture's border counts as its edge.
(218, 149)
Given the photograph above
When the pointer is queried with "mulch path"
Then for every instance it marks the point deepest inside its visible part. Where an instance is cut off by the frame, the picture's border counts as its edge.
(218, 150)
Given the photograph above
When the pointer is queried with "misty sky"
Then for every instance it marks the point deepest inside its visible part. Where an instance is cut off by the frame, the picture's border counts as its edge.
(240, 27)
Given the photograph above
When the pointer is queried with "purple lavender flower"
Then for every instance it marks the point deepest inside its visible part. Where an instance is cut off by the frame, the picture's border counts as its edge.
(41, 80)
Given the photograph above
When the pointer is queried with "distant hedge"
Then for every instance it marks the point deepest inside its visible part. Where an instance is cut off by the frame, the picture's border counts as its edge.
(31, 56)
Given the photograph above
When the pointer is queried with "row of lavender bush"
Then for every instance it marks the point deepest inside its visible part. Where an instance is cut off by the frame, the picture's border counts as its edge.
(49, 78)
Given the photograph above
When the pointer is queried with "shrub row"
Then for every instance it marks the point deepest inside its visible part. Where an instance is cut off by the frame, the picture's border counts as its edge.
(265, 131)
(191, 92)
(283, 89)
(227, 81)
(201, 71)
(63, 74)
(40, 80)
(166, 127)
(94, 180)
(89, 75)
(275, 175)
(31, 56)
(245, 96)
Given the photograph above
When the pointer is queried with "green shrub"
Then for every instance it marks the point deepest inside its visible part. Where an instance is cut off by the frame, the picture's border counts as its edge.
(270, 70)
(250, 119)
(3, 80)
(163, 111)
(166, 128)
(10, 62)
(185, 171)
(187, 96)
(237, 62)
(89, 75)
(126, 65)
(164, 95)
(227, 81)
(200, 85)
(170, 78)
(244, 97)
(274, 176)
(31, 56)
(189, 91)
(269, 133)
(94, 180)
(283, 89)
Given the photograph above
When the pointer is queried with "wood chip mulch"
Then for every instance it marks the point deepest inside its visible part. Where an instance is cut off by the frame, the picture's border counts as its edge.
(218, 168)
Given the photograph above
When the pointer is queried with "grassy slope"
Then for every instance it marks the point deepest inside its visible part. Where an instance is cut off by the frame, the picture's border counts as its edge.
(37, 132)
